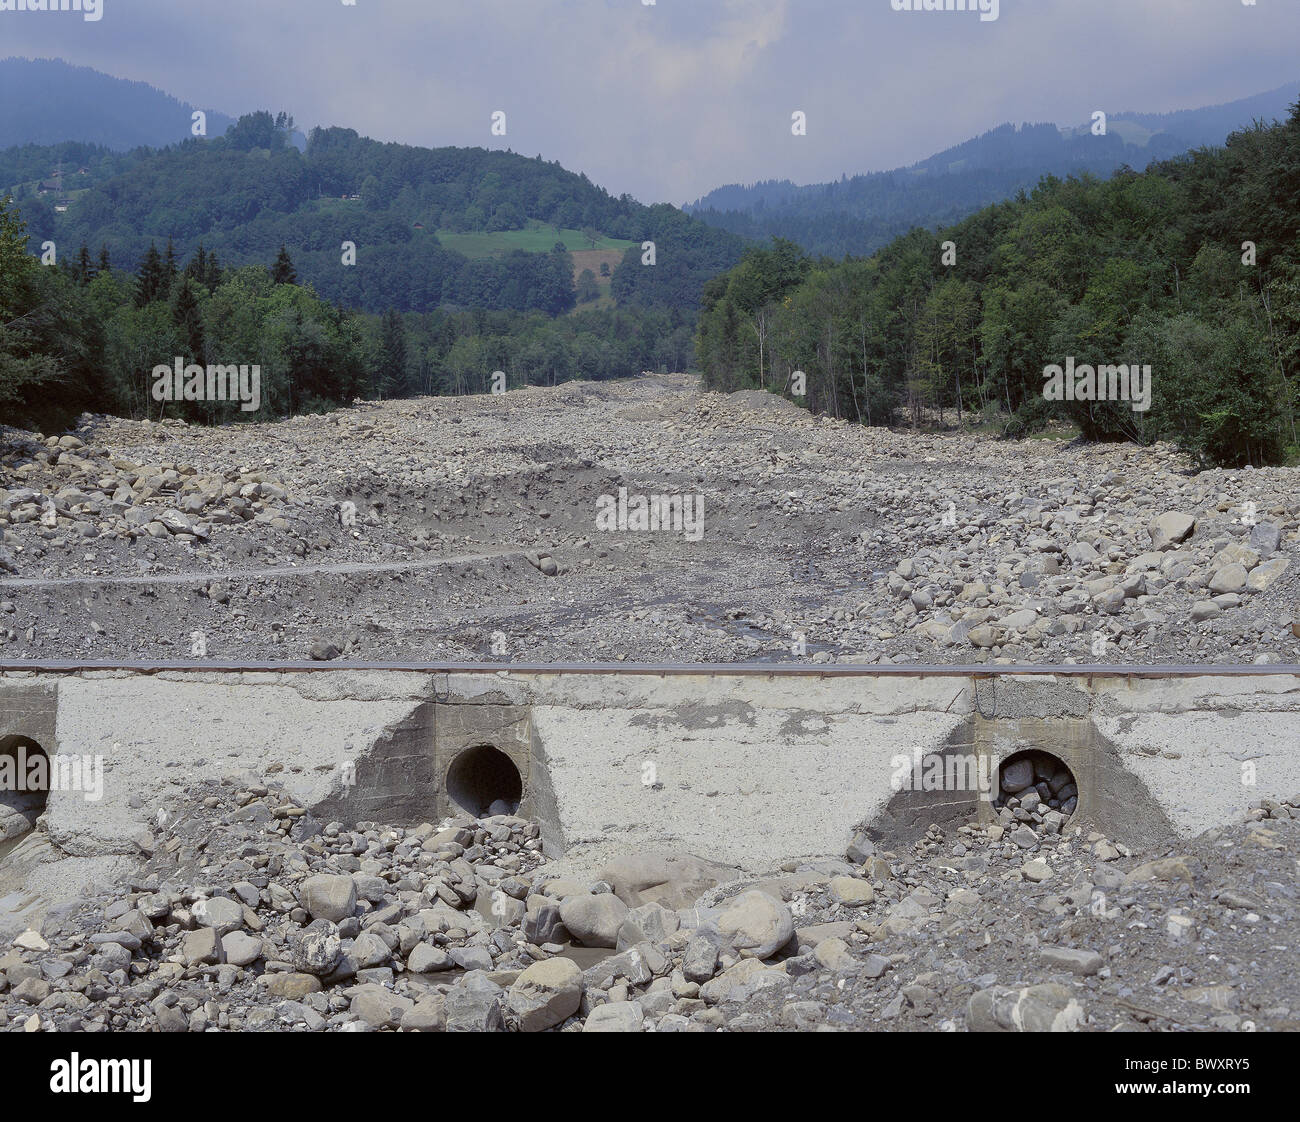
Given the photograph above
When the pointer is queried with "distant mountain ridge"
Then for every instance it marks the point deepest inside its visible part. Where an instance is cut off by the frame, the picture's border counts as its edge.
(859, 214)
(61, 102)
(1211, 124)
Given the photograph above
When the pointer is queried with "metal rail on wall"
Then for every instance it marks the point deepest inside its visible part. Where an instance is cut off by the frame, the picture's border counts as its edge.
(716, 669)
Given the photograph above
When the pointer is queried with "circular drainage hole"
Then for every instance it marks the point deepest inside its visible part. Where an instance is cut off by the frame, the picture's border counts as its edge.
(484, 781)
(1033, 784)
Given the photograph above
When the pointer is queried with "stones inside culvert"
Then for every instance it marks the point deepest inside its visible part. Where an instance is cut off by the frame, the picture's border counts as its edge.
(1036, 789)
(24, 786)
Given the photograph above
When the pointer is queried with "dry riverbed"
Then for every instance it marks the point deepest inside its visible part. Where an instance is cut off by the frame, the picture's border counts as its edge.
(471, 529)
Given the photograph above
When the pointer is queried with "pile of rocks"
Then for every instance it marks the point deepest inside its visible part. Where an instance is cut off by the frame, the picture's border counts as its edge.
(250, 914)
(72, 491)
(247, 913)
(1051, 575)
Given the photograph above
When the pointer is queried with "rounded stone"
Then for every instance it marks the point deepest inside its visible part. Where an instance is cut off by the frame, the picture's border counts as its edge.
(329, 897)
(546, 994)
(594, 920)
(756, 924)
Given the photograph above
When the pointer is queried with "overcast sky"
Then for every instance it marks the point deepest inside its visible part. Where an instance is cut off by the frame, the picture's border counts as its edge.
(667, 101)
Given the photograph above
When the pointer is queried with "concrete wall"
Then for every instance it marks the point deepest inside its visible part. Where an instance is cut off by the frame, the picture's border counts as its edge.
(748, 769)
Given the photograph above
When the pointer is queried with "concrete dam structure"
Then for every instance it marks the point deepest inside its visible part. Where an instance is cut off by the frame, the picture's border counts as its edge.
(747, 765)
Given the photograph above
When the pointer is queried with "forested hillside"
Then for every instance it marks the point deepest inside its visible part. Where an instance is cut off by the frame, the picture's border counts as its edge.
(325, 269)
(860, 214)
(247, 193)
(1192, 267)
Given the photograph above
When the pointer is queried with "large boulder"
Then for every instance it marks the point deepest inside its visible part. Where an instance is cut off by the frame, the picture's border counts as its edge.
(756, 924)
(379, 1007)
(368, 949)
(242, 949)
(1231, 578)
(329, 897)
(542, 922)
(1168, 529)
(1168, 869)
(1265, 537)
(202, 946)
(474, 1004)
(316, 948)
(1017, 775)
(738, 984)
(594, 919)
(617, 1016)
(675, 880)
(1044, 1008)
(1263, 576)
(429, 1014)
(650, 923)
(852, 891)
(700, 961)
(427, 959)
(546, 994)
(291, 987)
(218, 912)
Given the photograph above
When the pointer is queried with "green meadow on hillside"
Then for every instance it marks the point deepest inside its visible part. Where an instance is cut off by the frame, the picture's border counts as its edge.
(536, 237)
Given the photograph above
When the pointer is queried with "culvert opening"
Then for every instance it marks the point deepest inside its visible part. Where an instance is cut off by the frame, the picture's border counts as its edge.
(24, 786)
(484, 781)
(1037, 789)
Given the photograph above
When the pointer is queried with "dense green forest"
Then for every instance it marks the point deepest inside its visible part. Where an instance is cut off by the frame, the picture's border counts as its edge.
(245, 194)
(84, 336)
(1192, 267)
(232, 251)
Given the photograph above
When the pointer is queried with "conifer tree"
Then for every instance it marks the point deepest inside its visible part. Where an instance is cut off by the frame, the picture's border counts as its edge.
(188, 317)
(85, 270)
(283, 271)
(151, 278)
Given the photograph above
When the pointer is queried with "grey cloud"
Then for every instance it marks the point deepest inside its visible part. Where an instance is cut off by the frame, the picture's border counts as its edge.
(670, 100)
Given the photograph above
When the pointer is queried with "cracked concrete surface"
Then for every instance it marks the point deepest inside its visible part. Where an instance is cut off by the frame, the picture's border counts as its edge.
(749, 769)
